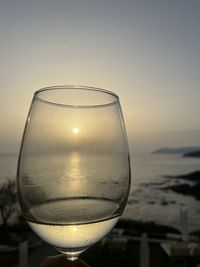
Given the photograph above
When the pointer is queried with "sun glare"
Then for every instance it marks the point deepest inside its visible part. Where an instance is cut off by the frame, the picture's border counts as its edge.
(75, 130)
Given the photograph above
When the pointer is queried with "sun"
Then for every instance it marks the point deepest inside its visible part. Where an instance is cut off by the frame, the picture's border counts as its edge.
(75, 130)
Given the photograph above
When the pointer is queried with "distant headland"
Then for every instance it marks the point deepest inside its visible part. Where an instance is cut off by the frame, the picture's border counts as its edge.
(191, 151)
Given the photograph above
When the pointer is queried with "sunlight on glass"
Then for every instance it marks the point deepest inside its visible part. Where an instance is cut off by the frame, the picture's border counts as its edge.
(75, 130)
(74, 228)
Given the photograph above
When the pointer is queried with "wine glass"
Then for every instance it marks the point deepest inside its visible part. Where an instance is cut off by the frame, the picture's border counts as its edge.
(73, 173)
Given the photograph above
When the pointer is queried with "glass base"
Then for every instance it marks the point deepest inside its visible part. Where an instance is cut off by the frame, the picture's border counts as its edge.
(72, 253)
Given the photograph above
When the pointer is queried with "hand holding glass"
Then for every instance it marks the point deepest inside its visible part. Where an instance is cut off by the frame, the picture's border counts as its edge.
(73, 169)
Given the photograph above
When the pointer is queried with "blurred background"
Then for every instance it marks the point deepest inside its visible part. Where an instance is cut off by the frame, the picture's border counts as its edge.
(147, 52)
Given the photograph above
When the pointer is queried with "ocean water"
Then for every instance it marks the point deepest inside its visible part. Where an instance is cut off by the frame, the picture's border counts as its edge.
(148, 201)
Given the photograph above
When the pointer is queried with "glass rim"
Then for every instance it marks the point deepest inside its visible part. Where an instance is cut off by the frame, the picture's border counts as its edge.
(77, 87)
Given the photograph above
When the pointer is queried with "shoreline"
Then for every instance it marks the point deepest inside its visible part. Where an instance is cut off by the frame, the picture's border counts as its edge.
(184, 188)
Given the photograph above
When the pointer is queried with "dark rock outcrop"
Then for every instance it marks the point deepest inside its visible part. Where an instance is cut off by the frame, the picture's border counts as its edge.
(194, 154)
(186, 189)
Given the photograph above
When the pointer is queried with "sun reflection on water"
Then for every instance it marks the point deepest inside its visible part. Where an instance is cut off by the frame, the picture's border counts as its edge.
(73, 171)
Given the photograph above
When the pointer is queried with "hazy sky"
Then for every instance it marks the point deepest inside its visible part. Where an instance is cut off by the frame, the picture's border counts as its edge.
(148, 52)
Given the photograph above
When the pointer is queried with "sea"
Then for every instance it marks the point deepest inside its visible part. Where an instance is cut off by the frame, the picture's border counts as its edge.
(148, 199)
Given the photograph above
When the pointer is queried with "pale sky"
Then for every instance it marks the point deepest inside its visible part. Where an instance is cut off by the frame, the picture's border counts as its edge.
(147, 52)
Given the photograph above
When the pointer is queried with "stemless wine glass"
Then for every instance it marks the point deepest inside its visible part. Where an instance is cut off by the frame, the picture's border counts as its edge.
(73, 173)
